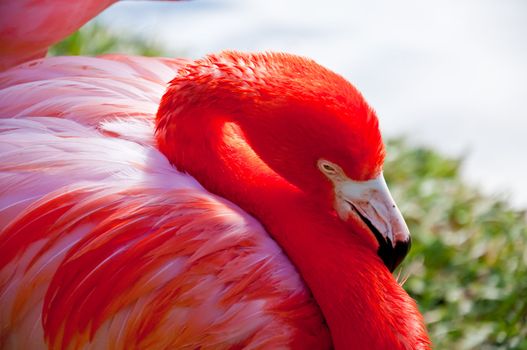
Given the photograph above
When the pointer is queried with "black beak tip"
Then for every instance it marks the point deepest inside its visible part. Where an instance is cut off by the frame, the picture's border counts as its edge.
(391, 255)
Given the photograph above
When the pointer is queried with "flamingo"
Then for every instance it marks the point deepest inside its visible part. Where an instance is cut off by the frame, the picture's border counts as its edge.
(234, 201)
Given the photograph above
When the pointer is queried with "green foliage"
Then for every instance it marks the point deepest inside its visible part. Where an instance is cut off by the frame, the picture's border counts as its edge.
(95, 39)
(468, 263)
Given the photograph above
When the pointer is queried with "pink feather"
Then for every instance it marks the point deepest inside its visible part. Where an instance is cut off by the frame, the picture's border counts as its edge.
(125, 223)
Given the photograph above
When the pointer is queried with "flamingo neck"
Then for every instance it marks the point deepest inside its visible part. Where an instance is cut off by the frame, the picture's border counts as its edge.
(364, 306)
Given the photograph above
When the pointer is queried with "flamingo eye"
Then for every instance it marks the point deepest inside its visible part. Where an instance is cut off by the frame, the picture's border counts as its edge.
(327, 168)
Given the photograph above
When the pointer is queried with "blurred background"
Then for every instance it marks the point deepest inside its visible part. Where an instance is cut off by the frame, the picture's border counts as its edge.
(449, 83)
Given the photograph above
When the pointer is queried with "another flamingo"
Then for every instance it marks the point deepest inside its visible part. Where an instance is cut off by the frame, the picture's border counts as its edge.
(104, 244)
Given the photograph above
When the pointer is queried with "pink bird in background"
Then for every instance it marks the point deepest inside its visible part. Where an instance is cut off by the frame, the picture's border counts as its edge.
(235, 201)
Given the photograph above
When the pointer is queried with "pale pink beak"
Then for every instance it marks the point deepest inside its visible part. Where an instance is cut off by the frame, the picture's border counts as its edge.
(372, 203)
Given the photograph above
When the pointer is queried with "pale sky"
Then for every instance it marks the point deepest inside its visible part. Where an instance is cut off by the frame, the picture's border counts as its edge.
(451, 74)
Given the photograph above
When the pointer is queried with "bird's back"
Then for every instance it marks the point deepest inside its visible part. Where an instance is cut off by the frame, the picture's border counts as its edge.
(104, 244)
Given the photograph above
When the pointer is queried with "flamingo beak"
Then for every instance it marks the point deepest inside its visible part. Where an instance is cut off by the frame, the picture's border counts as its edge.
(371, 202)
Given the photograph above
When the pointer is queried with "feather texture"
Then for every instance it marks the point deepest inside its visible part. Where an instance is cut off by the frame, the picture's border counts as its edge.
(125, 249)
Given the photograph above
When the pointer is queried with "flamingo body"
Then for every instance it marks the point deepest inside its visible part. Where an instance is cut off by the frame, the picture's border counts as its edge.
(126, 250)
(235, 201)
(28, 28)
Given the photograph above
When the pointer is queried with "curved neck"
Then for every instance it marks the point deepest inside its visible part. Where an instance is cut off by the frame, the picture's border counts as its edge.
(362, 303)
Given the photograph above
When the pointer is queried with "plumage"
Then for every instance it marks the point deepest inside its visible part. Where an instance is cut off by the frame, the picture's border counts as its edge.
(173, 250)
(168, 203)
(28, 27)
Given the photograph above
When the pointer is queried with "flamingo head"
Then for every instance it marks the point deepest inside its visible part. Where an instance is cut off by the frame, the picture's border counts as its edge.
(305, 124)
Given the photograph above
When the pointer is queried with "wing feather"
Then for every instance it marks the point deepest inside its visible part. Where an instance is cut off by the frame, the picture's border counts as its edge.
(103, 242)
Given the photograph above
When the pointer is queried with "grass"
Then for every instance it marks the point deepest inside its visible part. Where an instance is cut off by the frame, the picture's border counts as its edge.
(468, 263)
(95, 39)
